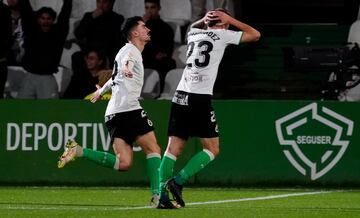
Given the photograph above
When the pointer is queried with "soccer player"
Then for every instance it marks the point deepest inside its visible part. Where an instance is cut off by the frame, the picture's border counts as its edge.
(125, 119)
(192, 114)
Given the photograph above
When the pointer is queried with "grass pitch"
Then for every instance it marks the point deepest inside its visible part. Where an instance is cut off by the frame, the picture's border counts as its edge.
(201, 202)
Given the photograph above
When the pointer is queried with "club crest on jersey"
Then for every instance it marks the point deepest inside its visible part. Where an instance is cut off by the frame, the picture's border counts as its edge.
(314, 139)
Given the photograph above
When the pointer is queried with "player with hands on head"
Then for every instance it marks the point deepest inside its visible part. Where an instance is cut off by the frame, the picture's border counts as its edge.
(192, 114)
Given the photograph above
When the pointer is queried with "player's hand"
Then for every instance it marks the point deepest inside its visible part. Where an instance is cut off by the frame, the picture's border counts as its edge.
(209, 16)
(96, 96)
(127, 73)
(219, 15)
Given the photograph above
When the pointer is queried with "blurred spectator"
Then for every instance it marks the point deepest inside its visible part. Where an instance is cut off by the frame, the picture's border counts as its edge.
(17, 44)
(5, 36)
(83, 82)
(158, 52)
(44, 40)
(100, 29)
(199, 7)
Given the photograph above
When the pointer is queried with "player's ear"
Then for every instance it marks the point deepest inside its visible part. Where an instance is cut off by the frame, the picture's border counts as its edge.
(135, 33)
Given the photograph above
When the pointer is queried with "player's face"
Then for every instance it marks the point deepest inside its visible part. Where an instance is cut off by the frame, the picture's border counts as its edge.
(143, 31)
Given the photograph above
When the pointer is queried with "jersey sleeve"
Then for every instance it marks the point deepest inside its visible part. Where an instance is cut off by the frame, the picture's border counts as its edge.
(106, 87)
(232, 37)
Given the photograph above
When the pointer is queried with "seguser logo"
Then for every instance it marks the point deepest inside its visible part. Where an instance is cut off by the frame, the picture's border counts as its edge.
(314, 139)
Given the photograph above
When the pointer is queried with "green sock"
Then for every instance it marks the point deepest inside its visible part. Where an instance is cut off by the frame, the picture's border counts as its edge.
(166, 170)
(195, 164)
(102, 158)
(153, 168)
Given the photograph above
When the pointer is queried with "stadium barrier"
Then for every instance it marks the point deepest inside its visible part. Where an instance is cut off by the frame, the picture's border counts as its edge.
(262, 143)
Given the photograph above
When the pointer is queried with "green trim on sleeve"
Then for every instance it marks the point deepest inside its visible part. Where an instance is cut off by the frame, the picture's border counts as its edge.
(242, 33)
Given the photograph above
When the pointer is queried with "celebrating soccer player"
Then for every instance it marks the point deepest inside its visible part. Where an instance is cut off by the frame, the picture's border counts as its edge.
(125, 119)
(192, 114)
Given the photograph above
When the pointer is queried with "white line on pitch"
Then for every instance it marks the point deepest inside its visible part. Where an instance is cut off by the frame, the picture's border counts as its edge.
(115, 208)
(270, 197)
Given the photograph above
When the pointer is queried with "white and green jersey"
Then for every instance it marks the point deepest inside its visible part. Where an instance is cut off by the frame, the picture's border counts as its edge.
(125, 91)
(205, 51)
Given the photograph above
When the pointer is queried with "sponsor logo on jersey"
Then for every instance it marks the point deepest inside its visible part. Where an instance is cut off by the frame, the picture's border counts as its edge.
(194, 78)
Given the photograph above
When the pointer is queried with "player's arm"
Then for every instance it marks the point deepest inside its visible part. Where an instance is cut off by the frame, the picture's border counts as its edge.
(128, 68)
(199, 24)
(250, 34)
(101, 91)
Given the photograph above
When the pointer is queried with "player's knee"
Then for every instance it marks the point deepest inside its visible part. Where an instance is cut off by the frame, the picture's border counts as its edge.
(124, 166)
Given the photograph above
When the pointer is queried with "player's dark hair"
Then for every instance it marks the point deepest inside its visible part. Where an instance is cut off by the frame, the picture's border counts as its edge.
(46, 10)
(130, 24)
(214, 22)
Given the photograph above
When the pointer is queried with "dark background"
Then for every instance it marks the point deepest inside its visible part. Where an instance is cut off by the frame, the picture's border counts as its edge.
(291, 31)
(300, 11)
